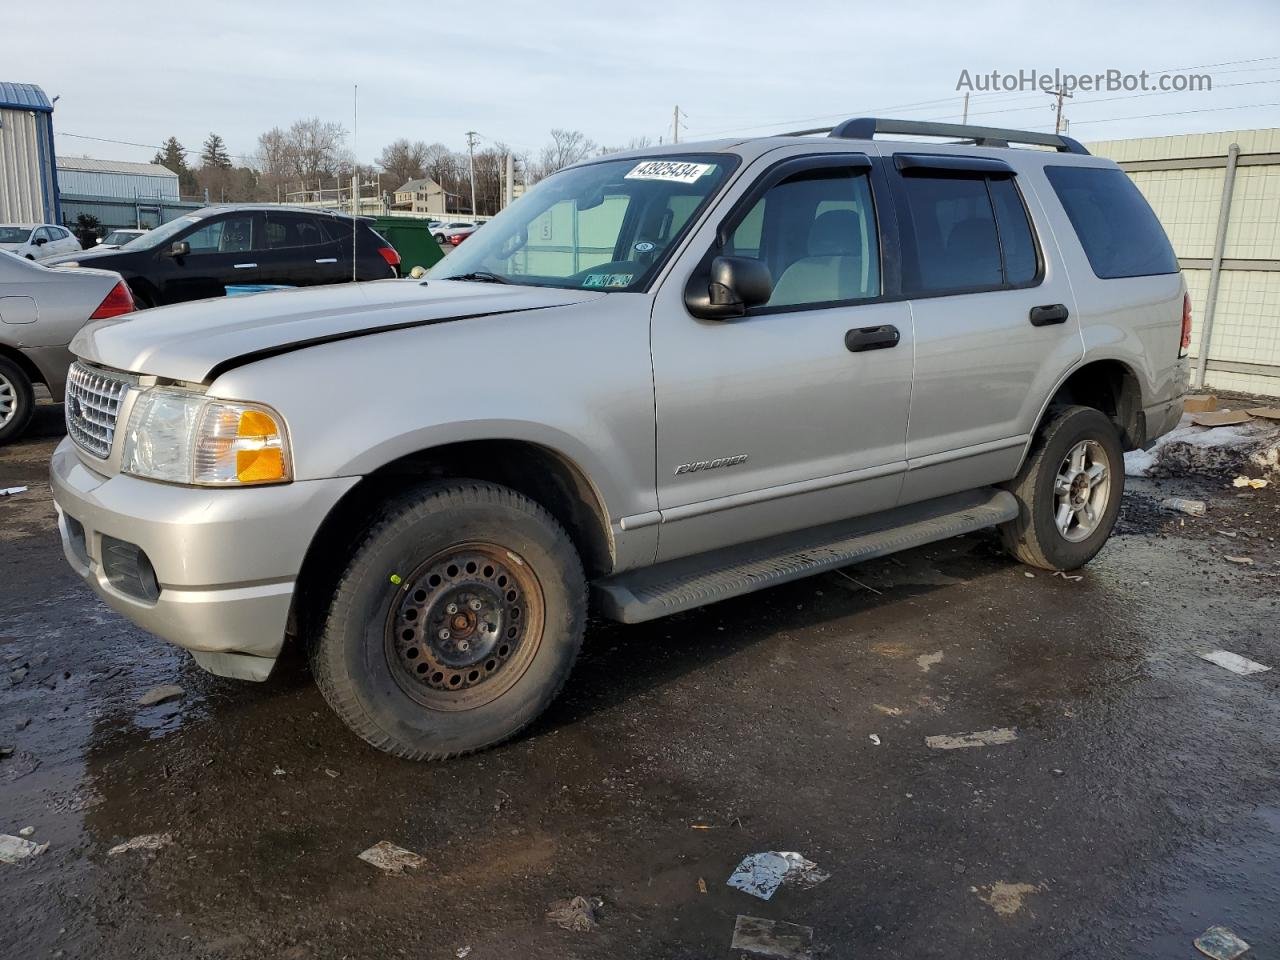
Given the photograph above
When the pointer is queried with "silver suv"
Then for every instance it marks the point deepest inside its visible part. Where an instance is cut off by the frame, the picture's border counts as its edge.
(658, 380)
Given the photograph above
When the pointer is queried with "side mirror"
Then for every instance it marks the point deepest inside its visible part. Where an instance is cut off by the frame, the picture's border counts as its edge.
(734, 285)
(41, 241)
(179, 248)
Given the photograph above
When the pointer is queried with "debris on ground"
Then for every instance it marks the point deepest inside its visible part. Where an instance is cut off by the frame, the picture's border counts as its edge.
(462, 952)
(580, 914)
(1256, 483)
(161, 694)
(386, 856)
(1073, 577)
(1200, 403)
(1242, 561)
(278, 772)
(979, 738)
(760, 874)
(1252, 447)
(1266, 413)
(1192, 508)
(1220, 944)
(26, 831)
(6, 750)
(928, 661)
(702, 885)
(1006, 898)
(772, 938)
(17, 849)
(874, 738)
(328, 772)
(1028, 574)
(12, 491)
(147, 841)
(1220, 418)
(1234, 662)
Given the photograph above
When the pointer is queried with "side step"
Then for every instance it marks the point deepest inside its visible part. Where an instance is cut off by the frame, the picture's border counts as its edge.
(689, 582)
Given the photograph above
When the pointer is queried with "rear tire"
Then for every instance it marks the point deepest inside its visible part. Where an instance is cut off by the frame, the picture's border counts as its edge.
(1068, 491)
(17, 400)
(455, 624)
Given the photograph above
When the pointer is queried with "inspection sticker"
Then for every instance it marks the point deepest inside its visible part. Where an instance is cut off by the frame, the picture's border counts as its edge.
(674, 170)
(608, 279)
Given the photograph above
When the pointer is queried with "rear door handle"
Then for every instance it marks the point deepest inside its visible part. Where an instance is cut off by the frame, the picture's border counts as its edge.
(871, 338)
(1048, 314)
(327, 260)
(245, 266)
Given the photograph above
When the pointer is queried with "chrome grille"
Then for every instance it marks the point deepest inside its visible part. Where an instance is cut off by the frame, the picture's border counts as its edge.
(93, 404)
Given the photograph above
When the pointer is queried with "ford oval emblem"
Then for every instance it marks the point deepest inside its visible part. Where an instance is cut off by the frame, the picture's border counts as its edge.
(644, 246)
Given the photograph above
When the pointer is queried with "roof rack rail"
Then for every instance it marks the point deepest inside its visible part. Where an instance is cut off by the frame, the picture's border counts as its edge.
(865, 128)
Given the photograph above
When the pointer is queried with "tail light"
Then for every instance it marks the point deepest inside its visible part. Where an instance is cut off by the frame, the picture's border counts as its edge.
(457, 238)
(117, 302)
(389, 254)
(1186, 325)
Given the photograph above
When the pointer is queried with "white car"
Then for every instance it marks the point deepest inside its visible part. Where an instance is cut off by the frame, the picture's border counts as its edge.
(447, 228)
(118, 238)
(36, 241)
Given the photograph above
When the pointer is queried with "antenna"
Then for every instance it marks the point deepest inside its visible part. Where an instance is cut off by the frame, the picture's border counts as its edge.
(355, 176)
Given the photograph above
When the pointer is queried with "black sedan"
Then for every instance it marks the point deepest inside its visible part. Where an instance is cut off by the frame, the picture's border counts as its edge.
(242, 248)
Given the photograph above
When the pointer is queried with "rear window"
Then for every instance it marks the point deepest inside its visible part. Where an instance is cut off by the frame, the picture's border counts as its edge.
(1118, 229)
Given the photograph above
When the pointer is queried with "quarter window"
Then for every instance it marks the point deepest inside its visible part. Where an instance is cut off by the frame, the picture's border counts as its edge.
(816, 231)
(965, 233)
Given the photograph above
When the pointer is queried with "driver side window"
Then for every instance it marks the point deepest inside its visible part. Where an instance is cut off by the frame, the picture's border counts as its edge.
(233, 234)
(816, 231)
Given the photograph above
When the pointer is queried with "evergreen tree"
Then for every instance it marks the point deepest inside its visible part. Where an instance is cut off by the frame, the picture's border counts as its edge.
(214, 156)
(172, 156)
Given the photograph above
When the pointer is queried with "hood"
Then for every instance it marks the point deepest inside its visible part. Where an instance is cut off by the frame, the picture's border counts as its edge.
(83, 256)
(194, 341)
(11, 246)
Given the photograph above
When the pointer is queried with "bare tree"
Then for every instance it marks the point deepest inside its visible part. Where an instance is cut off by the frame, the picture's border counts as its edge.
(404, 160)
(635, 143)
(566, 147)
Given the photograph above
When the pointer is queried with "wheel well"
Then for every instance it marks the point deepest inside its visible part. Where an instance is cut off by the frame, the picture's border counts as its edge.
(1109, 386)
(541, 474)
(24, 363)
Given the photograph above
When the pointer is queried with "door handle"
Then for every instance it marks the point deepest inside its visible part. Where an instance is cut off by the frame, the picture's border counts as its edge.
(871, 338)
(1049, 313)
(327, 260)
(245, 266)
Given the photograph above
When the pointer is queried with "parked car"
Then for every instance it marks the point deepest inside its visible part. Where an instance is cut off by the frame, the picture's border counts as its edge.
(37, 241)
(118, 238)
(666, 378)
(40, 311)
(456, 236)
(204, 253)
(443, 231)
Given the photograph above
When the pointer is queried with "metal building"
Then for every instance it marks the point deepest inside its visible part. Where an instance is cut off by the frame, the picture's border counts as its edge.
(118, 193)
(28, 186)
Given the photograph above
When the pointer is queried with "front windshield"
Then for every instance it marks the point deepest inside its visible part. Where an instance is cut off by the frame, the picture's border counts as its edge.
(14, 234)
(160, 234)
(605, 225)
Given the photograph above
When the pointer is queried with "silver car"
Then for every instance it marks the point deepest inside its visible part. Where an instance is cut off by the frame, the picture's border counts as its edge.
(658, 380)
(40, 311)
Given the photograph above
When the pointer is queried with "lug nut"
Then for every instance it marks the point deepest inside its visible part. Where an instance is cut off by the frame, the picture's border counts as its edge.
(445, 634)
(476, 604)
(451, 608)
(464, 646)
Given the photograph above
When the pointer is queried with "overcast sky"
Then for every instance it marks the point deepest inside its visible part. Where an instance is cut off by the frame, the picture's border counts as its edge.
(143, 70)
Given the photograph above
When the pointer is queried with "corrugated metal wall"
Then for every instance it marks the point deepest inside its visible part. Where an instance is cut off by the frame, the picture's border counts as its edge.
(22, 198)
(122, 186)
(1244, 354)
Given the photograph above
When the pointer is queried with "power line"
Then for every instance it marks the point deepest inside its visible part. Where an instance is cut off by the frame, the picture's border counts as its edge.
(1180, 113)
(130, 143)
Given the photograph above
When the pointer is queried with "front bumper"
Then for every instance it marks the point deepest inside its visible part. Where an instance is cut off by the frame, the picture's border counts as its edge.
(225, 560)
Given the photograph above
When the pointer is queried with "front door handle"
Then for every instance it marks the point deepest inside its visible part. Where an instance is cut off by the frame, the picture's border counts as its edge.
(1048, 314)
(327, 260)
(245, 266)
(871, 338)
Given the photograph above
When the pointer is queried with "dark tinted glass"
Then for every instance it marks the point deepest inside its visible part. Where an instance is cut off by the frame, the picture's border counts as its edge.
(1020, 263)
(954, 229)
(1117, 228)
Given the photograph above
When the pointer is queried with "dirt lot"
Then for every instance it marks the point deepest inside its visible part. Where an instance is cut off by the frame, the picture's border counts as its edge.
(1137, 806)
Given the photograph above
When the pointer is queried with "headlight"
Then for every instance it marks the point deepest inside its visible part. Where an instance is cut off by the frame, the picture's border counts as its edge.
(184, 437)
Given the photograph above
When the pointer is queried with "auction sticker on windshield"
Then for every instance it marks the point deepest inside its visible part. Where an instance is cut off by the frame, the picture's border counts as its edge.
(677, 171)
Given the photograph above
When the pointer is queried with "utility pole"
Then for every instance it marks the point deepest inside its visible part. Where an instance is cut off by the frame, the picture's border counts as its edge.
(675, 125)
(965, 117)
(1058, 95)
(472, 137)
(510, 178)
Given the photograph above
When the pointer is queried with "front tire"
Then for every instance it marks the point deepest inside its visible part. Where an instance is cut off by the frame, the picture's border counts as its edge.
(17, 400)
(1068, 491)
(456, 623)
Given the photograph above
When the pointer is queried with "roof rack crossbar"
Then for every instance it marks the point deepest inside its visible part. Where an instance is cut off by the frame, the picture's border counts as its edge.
(865, 128)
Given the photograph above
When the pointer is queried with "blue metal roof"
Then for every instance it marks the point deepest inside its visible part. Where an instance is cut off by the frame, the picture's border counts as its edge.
(24, 96)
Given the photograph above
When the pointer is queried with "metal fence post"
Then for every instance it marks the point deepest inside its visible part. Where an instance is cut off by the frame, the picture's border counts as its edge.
(1215, 270)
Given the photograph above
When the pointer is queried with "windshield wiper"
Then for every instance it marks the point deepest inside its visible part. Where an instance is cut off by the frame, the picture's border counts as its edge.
(480, 276)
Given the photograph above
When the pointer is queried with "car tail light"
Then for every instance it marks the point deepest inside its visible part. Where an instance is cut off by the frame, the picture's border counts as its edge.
(118, 301)
(1186, 325)
(456, 238)
(389, 254)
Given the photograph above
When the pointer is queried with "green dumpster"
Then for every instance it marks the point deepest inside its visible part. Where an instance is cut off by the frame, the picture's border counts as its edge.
(413, 241)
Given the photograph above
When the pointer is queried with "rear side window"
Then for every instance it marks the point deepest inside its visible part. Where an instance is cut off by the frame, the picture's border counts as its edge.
(292, 230)
(1118, 229)
(966, 233)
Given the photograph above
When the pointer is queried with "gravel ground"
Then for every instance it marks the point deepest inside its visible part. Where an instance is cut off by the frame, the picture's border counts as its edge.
(1136, 806)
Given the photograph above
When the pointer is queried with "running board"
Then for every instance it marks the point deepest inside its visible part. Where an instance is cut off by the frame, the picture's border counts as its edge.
(666, 588)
